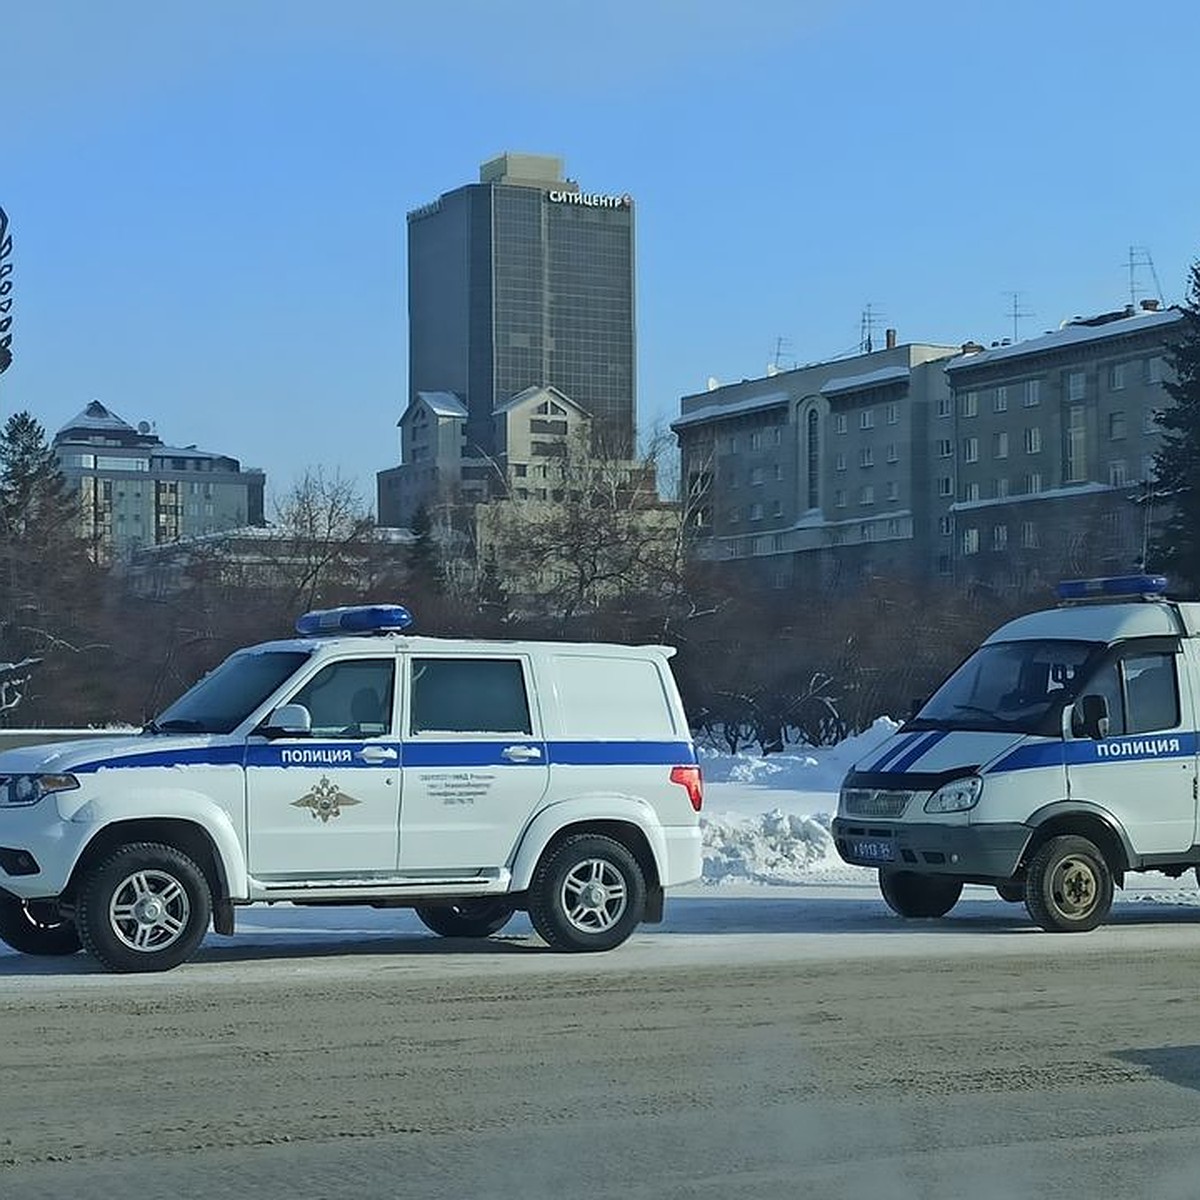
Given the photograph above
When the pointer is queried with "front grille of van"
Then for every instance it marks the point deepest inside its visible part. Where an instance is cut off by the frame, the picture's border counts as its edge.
(874, 802)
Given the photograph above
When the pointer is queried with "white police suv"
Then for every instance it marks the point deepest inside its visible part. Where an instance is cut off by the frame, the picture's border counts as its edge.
(1060, 755)
(357, 764)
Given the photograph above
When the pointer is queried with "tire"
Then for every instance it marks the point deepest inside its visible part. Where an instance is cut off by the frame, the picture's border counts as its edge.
(144, 908)
(1012, 891)
(588, 893)
(1068, 886)
(467, 918)
(35, 927)
(911, 894)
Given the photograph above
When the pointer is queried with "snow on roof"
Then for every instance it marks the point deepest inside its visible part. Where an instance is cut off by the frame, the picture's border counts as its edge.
(715, 412)
(539, 389)
(858, 383)
(98, 419)
(1070, 335)
(444, 404)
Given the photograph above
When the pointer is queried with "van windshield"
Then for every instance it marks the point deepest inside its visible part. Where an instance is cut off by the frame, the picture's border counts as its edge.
(1010, 687)
(224, 698)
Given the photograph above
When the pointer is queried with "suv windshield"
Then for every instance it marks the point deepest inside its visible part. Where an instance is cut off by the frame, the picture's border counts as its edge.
(1010, 687)
(224, 698)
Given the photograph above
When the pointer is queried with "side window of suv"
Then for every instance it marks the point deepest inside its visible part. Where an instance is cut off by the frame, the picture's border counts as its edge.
(469, 695)
(351, 699)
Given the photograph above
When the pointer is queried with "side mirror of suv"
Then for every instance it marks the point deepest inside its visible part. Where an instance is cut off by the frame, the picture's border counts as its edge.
(1093, 715)
(288, 720)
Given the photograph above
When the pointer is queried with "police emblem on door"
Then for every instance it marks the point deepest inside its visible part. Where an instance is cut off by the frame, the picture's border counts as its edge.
(324, 801)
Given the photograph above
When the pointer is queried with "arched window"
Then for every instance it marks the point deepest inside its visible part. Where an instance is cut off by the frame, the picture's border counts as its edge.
(812, 451)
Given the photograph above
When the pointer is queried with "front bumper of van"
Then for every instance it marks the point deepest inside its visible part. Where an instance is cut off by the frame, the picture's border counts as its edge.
(983, 853)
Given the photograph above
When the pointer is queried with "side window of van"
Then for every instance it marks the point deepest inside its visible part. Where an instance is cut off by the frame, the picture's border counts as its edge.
(469, 695)
(1151, 695)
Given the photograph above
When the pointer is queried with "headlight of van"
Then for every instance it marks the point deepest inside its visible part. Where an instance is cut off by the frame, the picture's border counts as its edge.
(956, 797)
(19, 791)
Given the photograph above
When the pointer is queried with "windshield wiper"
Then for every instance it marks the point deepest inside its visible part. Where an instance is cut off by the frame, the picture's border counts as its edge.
(180, 725)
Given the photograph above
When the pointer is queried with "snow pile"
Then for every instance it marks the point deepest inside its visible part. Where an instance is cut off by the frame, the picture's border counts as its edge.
(767, 817)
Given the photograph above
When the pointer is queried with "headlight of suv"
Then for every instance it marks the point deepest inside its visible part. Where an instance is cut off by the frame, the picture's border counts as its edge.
(19, 791)
(956, 797)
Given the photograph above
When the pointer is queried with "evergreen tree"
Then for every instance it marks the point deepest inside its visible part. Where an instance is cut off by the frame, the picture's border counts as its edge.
(34, 499)
(1176, 549)
(424, 555)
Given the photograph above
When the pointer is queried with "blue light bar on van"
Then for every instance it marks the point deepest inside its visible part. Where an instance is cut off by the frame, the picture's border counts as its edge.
(358, 618)
(1116, 585)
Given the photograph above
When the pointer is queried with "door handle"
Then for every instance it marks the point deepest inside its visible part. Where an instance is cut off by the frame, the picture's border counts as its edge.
(376, 754)
(521, 753)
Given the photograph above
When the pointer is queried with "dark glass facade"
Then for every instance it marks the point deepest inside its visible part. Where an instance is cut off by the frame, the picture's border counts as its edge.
(511, 286)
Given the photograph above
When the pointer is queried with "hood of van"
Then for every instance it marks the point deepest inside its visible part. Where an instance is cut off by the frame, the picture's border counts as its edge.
(934, 752)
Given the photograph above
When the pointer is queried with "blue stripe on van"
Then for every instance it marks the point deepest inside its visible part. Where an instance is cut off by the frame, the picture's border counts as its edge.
(1135, 747)
(922, 748)
(894, 752)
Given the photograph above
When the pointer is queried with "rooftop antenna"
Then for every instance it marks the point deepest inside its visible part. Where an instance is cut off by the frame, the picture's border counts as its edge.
(866, 329)
(1139, 257)
(783, 355)
(1017, 314)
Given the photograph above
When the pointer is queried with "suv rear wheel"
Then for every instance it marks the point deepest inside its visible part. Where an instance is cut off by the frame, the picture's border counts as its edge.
(467, 918)
(35, 927)
(911, 894)
(1068, 886)
(588, 893)
(144, 908)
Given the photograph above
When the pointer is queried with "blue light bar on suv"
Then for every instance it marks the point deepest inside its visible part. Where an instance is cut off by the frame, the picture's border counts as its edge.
(1129, 586)
(358, 618)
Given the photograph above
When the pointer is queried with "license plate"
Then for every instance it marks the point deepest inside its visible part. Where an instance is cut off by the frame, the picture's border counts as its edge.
(872, 851)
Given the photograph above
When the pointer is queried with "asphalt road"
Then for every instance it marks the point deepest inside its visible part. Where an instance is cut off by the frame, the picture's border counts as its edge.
(838, 1053)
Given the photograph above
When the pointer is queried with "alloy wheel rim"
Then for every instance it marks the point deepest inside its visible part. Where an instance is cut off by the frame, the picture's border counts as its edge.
(594, 895)
(1075, 887)
(149, 911)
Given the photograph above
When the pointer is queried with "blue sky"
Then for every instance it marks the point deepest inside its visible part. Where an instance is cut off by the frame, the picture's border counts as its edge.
(208, 200)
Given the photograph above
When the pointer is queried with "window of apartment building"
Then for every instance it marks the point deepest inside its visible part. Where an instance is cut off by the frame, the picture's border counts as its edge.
(867, 494)
(735, 515)
(970, 541)
(839, 498)
(1033, 440)
(943, 564)
(893, 528)
(839, 423)
(1000, 444)
(777, 509)
(839, 464)
(1031, 484)
(945, 448)
(777, 434)
(756, 512)
(756, 477)
(1116, 377)
(1076, 445)
(1118, 473)
(893, 414)
(1154, 369)
(968, 404)
(1150, 420)
(1029, 535)
(1116, 426)
(1076, 385)
(971, 449)
(777, 471)
(893, 453)
(812, 454)
(777, 543)
(946, 526)
(945, 406)
(893, 490)
(1000, 487)
(1031, 393)
(971, 491)
(945, 485)
(1000, 400)
(866, 457)
(519, 470)
(999, 537)
(866, 532)
(866, 419)
(756, 440)
(731, 444)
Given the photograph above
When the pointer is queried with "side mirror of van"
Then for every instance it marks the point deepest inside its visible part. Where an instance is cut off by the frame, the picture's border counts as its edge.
(1093, 712)
(288, 720)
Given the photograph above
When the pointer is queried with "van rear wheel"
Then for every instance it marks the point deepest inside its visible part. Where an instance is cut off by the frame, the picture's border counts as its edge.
(911, 894)
(1068, 886)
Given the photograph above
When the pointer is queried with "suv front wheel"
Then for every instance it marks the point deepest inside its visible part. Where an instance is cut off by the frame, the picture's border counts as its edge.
(144, 908)
(588, 893)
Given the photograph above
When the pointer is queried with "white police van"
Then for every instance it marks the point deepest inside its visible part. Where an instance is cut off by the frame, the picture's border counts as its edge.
(357, 764)
(1059, 756)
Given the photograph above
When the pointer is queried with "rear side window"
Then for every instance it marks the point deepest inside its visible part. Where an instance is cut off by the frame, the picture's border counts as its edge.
(469, 695)
(616, 699)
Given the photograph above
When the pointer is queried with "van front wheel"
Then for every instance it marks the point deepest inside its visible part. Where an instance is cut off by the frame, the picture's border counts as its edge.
(1068, 886)
(911, 894)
